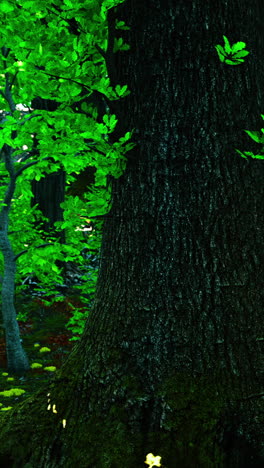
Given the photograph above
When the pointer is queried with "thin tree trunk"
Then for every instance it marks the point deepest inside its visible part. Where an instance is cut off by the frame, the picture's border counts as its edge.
(16, 357)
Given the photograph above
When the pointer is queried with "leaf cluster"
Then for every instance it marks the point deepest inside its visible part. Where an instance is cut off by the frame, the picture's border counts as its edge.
(231, 55)
(57, 51)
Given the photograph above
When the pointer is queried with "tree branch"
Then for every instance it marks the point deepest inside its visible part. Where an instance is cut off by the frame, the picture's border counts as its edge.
(24, 251)
(33, 163)
(101, 51)
(29, 118)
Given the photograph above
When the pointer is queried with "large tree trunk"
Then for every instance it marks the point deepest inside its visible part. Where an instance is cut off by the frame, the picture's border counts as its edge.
(171, 360)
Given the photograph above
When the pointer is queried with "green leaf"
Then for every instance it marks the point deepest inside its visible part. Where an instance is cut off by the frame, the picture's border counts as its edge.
(121, 25)
(110, 121)
(120, 90)
(6, 7)
(68, 3)
(257, 156)
(227, 45)
(67, 57)
(237, 46)
(242, 154)
(249, 153)
(256, 136)
(242, 53)
(28, 4)
(221, 52)
(74, 56)
(231, 62)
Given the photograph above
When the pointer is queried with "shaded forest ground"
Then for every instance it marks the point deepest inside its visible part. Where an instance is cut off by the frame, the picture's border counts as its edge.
(44, 328)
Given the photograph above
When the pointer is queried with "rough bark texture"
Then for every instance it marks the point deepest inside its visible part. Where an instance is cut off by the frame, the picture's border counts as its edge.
(171, 360)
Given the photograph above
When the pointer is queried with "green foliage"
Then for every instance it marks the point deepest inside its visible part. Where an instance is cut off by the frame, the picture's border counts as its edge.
(42, 55)
(50, 368)
(70, 149)
(259, 138)
(12, 392)
(77, 322)
(44, 350)
(40, 261)
(36, 365)
(231, 55)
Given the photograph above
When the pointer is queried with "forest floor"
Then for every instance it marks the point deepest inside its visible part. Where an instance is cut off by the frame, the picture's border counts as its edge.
(44, 328)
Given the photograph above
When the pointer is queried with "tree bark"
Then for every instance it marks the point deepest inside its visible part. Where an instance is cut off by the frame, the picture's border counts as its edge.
(171, 359)
(17, 360)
